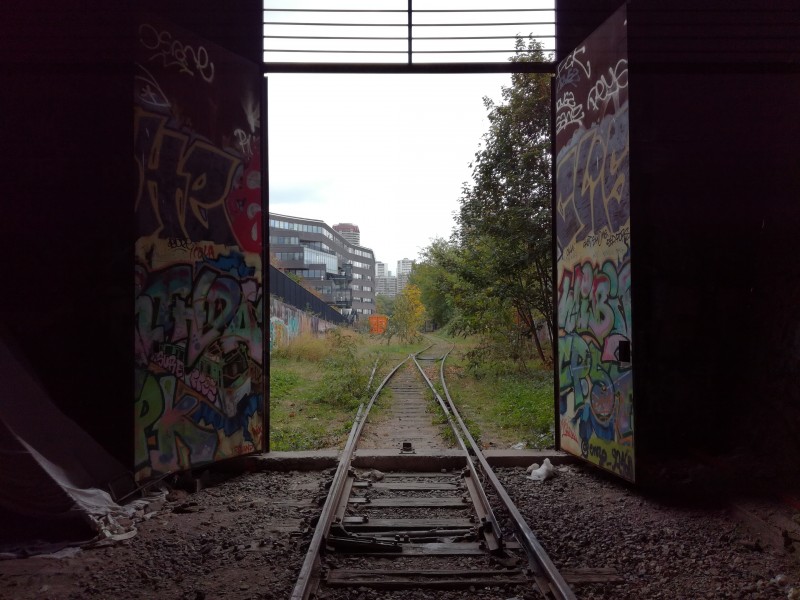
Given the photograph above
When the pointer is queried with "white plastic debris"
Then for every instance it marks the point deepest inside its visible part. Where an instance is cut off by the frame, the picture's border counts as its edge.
(519, 446)
(546, 471)
(373, 475)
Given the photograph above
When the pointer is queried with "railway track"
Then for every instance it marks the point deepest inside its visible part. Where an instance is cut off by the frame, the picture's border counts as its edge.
(422, 529)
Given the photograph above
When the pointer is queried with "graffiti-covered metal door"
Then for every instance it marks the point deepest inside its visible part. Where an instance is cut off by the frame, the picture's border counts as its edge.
(593, 245)
(200, 372)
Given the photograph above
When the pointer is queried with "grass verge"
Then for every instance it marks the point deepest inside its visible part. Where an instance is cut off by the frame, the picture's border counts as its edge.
(503, 405)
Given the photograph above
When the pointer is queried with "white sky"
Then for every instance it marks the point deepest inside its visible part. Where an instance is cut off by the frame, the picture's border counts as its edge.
(387, 152)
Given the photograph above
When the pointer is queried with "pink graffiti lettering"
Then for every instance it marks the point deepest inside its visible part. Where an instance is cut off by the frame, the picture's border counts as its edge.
(169, 362)
(204, 384)
(566, 431)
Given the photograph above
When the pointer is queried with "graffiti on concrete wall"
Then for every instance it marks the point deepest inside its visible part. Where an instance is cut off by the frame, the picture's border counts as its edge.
(594, 251)
(198, 274)
(287, 322)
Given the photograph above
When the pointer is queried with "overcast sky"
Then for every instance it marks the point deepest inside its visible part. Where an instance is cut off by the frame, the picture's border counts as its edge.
(389, 153)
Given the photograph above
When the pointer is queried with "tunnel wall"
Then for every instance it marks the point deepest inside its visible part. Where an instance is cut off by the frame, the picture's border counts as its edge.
(594, 251)
(69, 182)
(200, 368)
(715, 202)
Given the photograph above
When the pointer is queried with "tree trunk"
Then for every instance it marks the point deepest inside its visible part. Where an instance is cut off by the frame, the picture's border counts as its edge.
(536, 341)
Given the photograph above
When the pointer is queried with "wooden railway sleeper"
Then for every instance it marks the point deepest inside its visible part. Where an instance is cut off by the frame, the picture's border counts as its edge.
(354, 544)
(339, 532)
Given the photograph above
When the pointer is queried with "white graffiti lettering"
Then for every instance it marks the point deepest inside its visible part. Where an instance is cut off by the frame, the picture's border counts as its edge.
(571, 77)
(574, 60)
(244, 141)
(174, 53)
(149, 90)
(608, 88)
(568, 112)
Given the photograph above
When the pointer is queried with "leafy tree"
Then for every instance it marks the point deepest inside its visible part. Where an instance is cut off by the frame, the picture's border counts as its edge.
(384, 305)
(503, 225)
(408, 316)
(435, 278)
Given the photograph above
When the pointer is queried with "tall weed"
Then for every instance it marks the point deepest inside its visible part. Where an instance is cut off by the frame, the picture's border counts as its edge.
(346, 373)
(305, 347)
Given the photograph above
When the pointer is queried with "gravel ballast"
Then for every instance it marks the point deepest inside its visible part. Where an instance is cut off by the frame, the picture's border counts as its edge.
(245, 539)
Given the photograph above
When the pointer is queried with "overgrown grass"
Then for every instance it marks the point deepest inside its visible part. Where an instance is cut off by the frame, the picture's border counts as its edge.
(316, 385)
(297, 421)
(305, 347)
(505, 406)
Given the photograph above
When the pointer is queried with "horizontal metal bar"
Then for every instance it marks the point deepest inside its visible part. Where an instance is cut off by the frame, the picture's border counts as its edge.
(336, 37)
(482, 24)
(338, 24)
(481, 10)
(479, 37)
(339, 51)
(510, 51)
(338, 10)
(507, 51)
(416, 39)
(415, 68)
(394, 10)
(406, 24)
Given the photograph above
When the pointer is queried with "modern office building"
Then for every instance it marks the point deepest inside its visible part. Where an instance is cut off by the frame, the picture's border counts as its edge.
(341, 272)
(349, 231)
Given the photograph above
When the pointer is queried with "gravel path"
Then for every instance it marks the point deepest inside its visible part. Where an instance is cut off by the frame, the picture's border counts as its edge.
(244, 539)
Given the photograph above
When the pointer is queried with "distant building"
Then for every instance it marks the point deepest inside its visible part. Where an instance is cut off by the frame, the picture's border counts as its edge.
(385, 282)
(386, 286)
(342, 272)
(349, 232)
(404, 267)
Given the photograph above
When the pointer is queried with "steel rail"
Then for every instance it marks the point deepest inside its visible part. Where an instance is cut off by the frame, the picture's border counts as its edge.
(308, 578)
(557, 583)
(481, 494)
(309, 571)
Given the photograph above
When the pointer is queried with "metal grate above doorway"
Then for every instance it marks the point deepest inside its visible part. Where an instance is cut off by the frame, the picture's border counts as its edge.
(404, 36)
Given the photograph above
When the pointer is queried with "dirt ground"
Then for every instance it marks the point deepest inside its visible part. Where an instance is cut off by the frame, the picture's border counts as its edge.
(245, 538)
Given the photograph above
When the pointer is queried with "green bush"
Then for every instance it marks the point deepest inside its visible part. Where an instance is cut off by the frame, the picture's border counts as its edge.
(346, 374)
